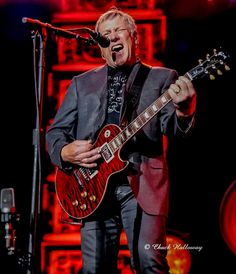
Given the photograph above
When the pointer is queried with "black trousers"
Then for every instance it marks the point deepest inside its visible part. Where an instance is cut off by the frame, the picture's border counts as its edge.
(146, 235)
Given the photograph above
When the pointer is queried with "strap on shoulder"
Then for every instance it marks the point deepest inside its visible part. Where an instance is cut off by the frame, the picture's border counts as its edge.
(133, 94)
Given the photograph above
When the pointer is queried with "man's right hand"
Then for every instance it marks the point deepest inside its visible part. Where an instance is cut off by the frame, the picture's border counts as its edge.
(81, 152)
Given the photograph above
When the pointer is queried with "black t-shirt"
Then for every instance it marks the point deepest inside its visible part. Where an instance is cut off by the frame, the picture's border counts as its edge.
(116, 81)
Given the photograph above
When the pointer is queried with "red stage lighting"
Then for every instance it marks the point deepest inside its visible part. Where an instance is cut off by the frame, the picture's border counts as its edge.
(228, 217)
(178, 255)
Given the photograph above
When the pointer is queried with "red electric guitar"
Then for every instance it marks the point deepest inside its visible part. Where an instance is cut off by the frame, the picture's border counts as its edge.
(81, 191)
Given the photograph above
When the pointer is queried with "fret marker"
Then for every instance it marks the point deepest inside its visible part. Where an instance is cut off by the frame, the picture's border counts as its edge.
(114, 144)
(117, 140)
(146, 115)
(127, 133)
(163, 99)
(154, 107)
(122, 137)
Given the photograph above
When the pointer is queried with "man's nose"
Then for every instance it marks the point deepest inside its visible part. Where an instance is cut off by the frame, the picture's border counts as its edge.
(113, 36)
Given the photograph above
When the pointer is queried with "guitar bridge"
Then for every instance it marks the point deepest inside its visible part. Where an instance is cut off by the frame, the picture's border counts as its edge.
(87, 174)
(91, 173)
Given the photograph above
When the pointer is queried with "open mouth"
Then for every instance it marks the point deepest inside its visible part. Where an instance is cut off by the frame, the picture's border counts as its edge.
(117, 48)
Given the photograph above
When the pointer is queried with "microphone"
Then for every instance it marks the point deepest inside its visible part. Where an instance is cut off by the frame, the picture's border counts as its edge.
(7, 200)
(7, 217)
(103, 41)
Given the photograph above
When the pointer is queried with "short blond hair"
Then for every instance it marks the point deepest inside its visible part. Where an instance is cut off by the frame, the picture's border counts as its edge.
(115, 12)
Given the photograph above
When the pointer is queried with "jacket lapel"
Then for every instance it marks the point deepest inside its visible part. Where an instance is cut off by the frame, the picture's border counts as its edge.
(101, 90)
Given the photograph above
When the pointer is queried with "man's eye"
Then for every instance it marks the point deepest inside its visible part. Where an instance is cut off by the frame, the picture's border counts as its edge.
(121, 30)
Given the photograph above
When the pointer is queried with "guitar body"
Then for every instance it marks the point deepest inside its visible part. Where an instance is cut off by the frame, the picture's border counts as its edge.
(82, 190)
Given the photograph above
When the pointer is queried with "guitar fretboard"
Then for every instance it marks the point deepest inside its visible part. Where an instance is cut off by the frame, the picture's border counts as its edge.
(139, 122)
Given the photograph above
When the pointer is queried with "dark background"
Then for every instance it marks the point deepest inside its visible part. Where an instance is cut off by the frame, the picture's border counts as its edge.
(202, 168)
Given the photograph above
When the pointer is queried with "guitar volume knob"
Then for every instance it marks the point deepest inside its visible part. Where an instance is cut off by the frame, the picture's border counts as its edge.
(84, 194)
(75, 203)
(93, 198)
(83, 207)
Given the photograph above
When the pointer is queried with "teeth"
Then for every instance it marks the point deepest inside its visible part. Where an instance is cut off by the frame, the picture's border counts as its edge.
(117, 47)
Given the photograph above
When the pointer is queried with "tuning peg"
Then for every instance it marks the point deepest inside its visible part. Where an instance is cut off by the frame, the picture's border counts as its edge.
(200, 61)
(219, 72)
(212, 77)
(227, 67)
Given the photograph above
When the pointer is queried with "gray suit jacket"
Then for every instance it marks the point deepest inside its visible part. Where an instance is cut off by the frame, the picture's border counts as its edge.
(82, 114)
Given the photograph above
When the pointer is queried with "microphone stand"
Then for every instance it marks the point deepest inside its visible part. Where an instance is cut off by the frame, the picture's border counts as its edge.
(40, 31)
(37, 143)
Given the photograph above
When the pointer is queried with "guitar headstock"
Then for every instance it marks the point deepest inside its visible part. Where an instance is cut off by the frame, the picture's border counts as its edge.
(211, 66)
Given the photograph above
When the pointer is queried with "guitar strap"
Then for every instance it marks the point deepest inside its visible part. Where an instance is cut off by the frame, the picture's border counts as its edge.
(133, 94)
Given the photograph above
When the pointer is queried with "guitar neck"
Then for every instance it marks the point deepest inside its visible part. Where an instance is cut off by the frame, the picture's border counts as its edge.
(140, 121)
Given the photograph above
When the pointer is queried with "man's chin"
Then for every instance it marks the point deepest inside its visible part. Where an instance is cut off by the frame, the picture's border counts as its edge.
(120, 62)
(118, 58)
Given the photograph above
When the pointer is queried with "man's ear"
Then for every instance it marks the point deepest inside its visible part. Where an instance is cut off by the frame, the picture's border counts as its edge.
(136, 39)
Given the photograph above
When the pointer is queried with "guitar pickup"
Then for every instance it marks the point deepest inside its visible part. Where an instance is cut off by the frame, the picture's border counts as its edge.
(106, 152)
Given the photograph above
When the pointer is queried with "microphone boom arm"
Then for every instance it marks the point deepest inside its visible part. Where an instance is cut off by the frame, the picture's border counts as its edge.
(58, 31)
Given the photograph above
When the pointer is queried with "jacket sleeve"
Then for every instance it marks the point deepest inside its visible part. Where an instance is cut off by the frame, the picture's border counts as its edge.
(62, 131)
(170, 124)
